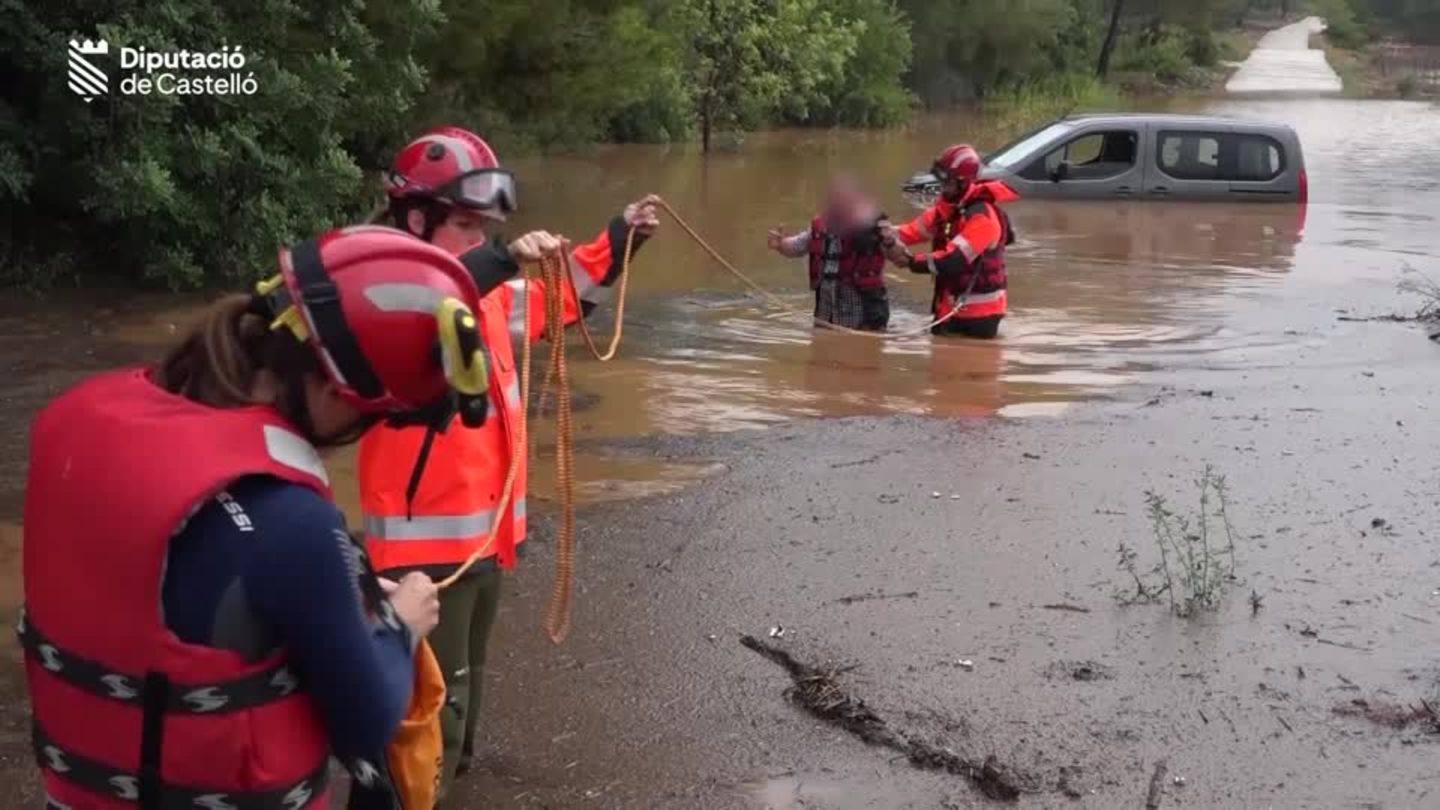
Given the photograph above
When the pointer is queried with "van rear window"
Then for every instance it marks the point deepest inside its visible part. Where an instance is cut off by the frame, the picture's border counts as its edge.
(1225, 156)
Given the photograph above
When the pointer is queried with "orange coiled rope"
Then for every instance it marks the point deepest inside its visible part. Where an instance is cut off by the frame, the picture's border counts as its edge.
(556, 284)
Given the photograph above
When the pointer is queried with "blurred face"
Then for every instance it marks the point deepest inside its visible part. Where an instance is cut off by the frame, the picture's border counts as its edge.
(461, 230)
(953, 188)
(845, 201)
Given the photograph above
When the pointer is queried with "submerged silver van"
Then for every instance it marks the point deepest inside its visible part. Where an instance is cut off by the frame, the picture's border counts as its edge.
(1144, 155)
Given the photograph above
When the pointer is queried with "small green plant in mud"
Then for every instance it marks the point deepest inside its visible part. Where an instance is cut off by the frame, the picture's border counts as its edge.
(1427, 288)
(1197, 552)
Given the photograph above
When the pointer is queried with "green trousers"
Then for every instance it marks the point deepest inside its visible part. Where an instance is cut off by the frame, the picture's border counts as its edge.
(467, 614)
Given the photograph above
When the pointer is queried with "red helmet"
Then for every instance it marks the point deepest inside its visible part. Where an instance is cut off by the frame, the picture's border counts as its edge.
(382, 311)
(452, 165)
(959, 162)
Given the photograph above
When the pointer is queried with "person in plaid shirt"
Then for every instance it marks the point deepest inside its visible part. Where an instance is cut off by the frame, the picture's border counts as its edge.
(846, 250)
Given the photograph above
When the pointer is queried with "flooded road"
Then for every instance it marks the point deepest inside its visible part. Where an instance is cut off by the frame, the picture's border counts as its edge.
(1145, 340)
(1284, 62)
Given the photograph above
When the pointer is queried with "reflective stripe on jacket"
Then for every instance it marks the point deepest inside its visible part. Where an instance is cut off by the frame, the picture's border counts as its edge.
(454, 510)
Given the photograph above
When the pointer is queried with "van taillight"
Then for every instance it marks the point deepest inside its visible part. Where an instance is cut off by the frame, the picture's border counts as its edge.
(1304, 186)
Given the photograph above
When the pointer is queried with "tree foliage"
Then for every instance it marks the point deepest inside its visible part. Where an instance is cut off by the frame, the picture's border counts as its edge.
(181, 190)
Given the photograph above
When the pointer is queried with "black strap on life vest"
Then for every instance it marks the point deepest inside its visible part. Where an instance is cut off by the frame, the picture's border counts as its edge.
(247, 692)
(104, 780)
(154, 694)
(321, 298)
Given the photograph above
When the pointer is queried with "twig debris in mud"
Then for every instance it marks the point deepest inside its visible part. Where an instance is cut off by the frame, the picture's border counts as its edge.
(1063, 606)
(866, 597)
(1157, 786)
(863, 461)
(816, 691)
(1393, 715)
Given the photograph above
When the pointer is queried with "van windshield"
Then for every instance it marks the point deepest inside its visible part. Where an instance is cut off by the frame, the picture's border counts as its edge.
(1018, 151)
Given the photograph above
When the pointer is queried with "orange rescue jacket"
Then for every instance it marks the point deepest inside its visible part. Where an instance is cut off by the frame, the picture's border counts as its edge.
(453, 512)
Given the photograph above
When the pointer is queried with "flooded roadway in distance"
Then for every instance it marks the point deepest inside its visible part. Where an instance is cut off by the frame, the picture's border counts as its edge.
(1122, 312)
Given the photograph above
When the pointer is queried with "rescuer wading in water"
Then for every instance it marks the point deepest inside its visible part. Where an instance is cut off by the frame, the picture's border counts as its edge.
(968, 232)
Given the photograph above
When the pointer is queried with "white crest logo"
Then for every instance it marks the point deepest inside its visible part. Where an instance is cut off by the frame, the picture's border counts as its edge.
(50, 657)
(120, 687)
(57, 759)
(298, 797)
(87, 80)
(207, 699)
(214, 801)
(126, 787)
(284, 680)
(365, 773)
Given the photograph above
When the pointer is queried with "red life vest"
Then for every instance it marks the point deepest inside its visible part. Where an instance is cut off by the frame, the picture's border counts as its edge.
(864, 270)
(124, 711)
(987, 281)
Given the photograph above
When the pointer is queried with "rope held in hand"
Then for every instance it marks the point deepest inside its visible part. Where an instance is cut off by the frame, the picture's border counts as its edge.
(557, 282)
(780, 304)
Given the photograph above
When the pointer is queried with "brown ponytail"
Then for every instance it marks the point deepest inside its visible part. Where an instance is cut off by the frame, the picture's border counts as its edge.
(217, 362)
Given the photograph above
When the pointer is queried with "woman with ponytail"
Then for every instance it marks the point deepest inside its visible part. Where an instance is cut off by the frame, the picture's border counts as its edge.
(199, 628)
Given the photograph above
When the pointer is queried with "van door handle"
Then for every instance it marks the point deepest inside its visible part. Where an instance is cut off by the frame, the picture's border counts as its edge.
(1124, 190)
(1160, 189)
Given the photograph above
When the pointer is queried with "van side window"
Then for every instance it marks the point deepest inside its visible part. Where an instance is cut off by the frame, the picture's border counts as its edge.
(1223, 156)
(1092, 156)
(1190, 155)
(1257, 158)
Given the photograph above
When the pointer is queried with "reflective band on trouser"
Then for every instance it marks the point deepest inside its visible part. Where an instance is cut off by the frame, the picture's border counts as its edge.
(982, 305)
(99, 778)
(258, 689)
(473, 526)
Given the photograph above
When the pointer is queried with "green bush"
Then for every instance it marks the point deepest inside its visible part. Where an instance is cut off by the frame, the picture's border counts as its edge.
(868, 92)
(1202, 48)
(1167, 58)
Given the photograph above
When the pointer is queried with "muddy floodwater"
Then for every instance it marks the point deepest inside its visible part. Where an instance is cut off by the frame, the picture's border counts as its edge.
(939, 519)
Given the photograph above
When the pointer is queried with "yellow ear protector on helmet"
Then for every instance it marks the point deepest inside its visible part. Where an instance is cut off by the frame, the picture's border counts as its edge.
(273, 292)
(463, 357)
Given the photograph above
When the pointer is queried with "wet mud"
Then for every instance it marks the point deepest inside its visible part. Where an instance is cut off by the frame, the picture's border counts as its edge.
(818, 691)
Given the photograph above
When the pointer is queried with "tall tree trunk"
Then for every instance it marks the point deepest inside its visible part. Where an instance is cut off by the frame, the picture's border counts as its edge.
(1103, 68)
(1284, 9)
(705, 123)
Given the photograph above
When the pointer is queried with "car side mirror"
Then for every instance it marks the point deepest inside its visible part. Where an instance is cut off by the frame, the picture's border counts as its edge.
(1060, 172)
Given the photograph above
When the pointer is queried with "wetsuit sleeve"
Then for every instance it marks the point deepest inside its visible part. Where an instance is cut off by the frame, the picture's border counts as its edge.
(303, 579)
(593, 268)
(979, 232)
(490, 265)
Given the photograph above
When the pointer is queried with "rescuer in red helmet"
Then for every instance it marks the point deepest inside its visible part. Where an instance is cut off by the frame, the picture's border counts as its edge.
(217, 638)
(968, 232)
(448, 188)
